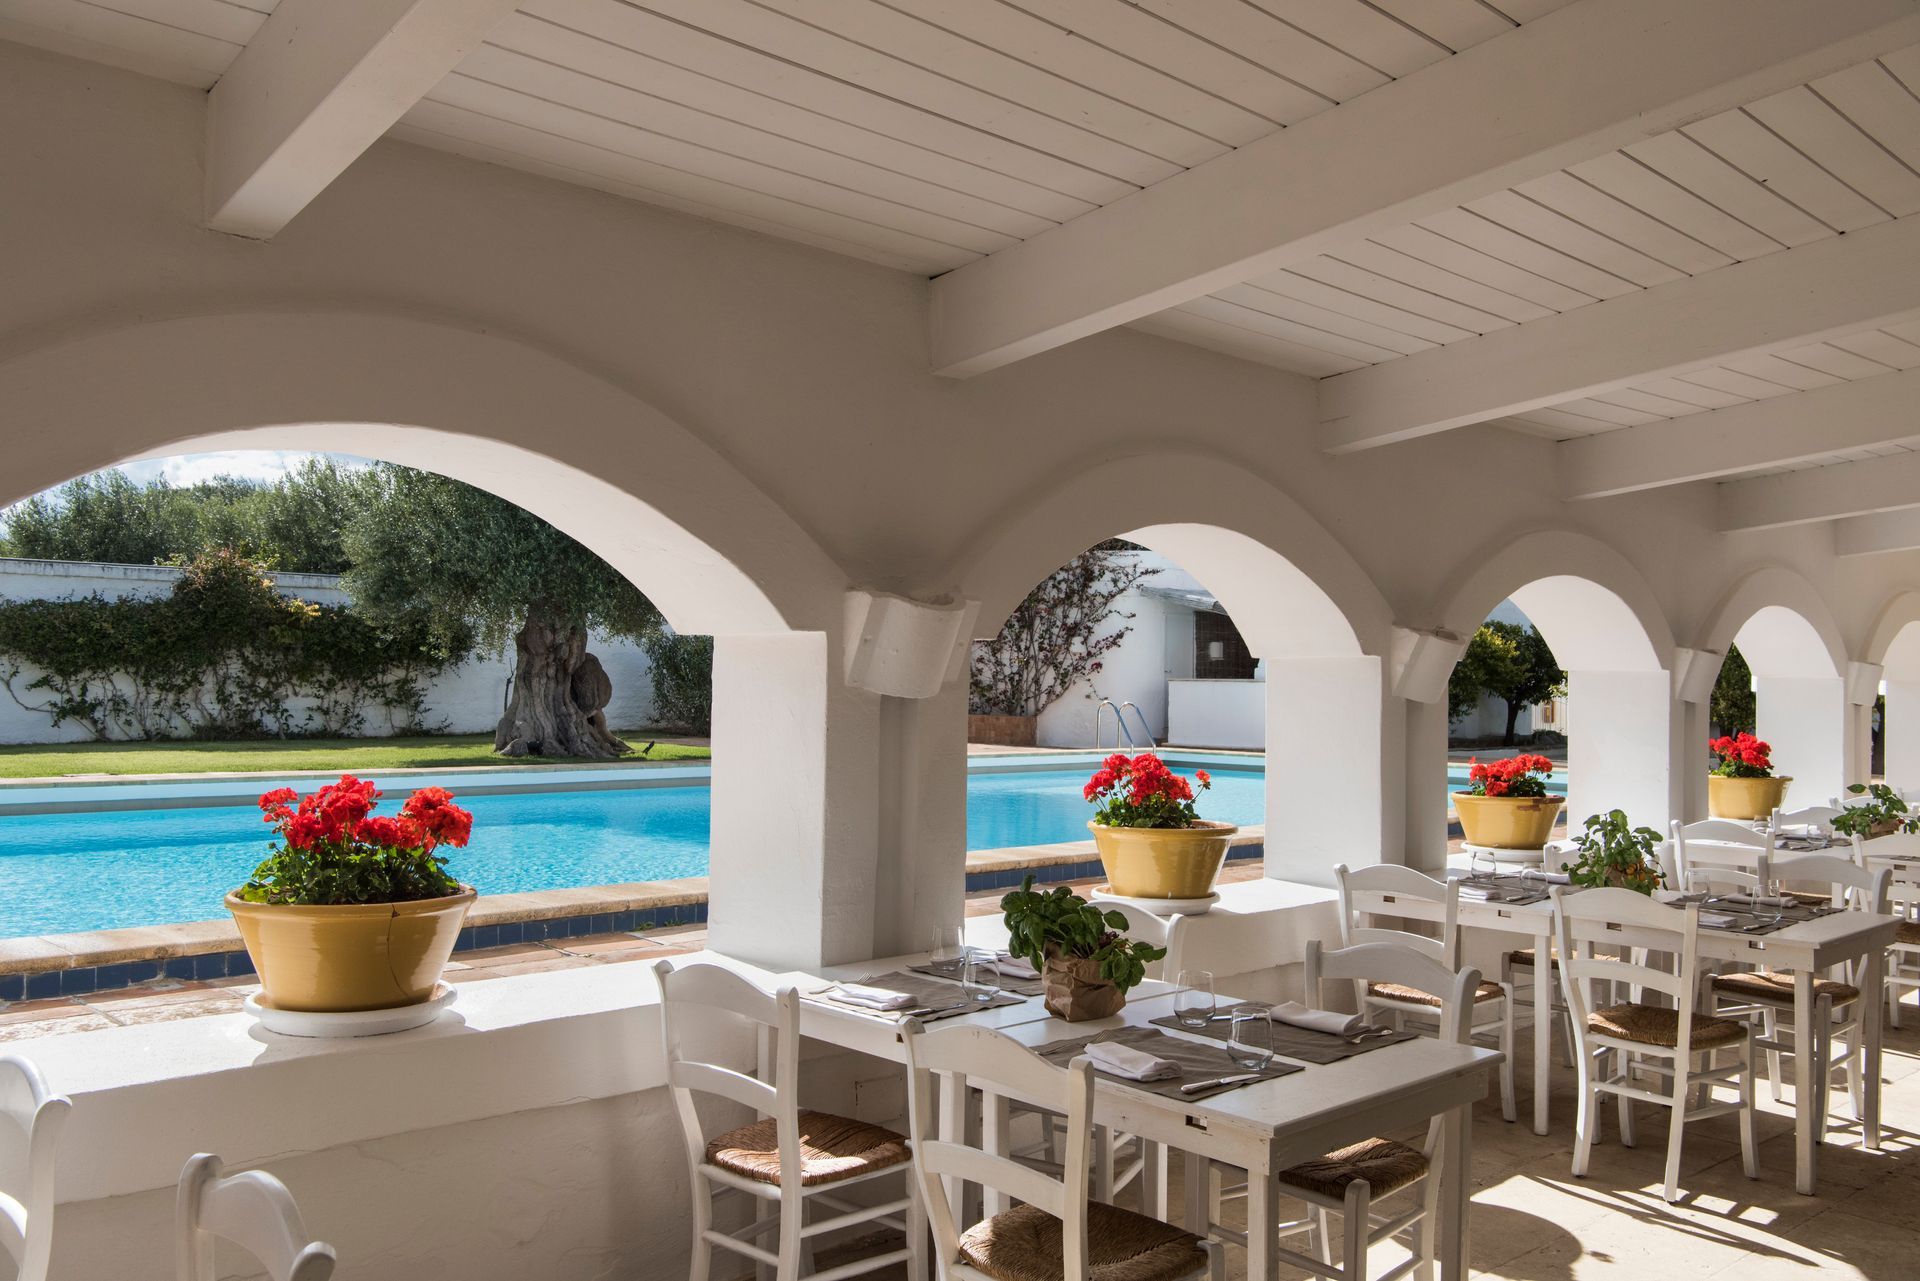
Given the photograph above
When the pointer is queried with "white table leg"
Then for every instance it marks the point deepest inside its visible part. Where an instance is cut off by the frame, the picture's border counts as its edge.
(1153, 1180)
(995, 1124)
(1263, 1218)
(1807, 1122)
(1456, 1192)
(1542, 1029)
(1195, 1170)
(1872, 1009)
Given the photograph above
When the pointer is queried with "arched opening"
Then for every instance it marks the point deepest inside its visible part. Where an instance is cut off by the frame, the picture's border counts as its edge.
(711, 550)
(1798, 665)
(1320, 696)
(1895, 646)
(1606, 632)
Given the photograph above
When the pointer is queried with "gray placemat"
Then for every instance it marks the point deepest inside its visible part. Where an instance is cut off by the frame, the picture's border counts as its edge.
(934, 999)
(1197, 1062)
(1024, 987)
(1758, 920)
(1293, 1042)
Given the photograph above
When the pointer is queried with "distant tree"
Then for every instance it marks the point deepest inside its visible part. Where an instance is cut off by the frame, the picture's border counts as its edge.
(1508, 662)
(1732, 707)
(475, 562)
(1057, 635)
(682, 671)
(105, 517)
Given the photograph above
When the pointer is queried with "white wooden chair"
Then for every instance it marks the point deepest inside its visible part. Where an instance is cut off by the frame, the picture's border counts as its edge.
(1169, 932)
(1717, 843)
(1769, 994)
(1354, 1180)
(35, 1116)
(1052, 1228)
(1368, 892)
(1819, 817)
(1623, 1042)
(253, 1210)
(789, 1158)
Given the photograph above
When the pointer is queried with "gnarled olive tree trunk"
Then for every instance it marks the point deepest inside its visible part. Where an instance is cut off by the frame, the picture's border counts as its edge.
(560, 694)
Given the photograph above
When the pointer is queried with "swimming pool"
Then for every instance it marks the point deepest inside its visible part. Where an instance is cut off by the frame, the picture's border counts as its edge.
(142, 864)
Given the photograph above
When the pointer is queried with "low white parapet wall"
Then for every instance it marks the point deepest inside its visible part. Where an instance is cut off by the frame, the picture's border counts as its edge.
(527, 1134)
(1207, 713)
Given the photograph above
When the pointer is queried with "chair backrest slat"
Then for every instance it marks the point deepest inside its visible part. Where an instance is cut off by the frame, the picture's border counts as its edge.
(963, 1057)
(26, 1214)
(1852, 885)
(1364, 963)
(1718, 842)
(253, 1210)
(1367, 892)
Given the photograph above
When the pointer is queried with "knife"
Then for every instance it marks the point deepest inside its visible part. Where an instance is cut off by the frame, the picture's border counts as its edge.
(1194, 1087)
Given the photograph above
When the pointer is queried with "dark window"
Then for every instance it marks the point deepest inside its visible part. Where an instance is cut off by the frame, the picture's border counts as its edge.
(1215, 634)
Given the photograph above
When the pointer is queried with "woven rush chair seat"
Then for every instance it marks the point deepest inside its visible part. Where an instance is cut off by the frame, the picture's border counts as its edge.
(1024, 1244)
(1387, 1167)
(1659, 1025)
(832, 1148)
(1524, 956)
(1766, 985)
(1909, 933)
(1414, 996)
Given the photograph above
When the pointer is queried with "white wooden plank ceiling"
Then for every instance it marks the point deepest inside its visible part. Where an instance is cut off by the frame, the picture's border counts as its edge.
(918, 133)
(1807, 164)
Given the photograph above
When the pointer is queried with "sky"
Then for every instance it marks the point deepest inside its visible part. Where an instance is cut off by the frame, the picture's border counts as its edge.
(248, 464)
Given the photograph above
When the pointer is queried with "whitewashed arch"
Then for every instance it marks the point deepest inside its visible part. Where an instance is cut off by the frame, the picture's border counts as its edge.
(1592, 605)
(1895, 640)
(1782, 625)
(715, 553)
(1291, 588)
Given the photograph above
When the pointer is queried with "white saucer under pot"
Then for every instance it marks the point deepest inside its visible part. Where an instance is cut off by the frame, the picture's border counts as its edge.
(350, 1023)
(1161, 906)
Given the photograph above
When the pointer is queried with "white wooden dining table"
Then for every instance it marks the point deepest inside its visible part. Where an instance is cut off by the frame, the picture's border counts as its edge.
(1807, 948)
(1261, 1128)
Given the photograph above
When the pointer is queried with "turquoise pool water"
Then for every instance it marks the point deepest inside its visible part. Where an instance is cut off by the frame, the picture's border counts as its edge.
(142, 866)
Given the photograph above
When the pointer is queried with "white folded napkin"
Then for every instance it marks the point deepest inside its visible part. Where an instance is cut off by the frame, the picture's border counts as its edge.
(1135, 1065)
(1758, 900)
(872, 998)
(1328, 1021)
(1014, 967)
(1715, 920)
(1549, 878)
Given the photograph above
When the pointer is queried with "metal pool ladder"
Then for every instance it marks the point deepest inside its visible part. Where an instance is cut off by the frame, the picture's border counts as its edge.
(1123, 736)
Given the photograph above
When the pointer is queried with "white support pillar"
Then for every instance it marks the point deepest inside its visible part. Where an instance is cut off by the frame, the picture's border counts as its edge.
(1902, 733)
(1334, 764)
(1804, 719)
(1618, 753)
(923, 818)
(1863, 687)
(1427, 800)
(793, 872)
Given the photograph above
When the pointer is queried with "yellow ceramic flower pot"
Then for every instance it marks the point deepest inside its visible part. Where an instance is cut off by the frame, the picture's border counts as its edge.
(1745, 797)
(1507, 822)
(1163, 862)
(332, 959)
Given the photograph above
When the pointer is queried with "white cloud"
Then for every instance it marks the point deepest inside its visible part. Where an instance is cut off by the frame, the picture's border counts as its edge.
(248, 464)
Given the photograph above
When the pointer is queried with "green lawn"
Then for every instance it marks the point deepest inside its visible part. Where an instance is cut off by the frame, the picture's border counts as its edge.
(58, 759)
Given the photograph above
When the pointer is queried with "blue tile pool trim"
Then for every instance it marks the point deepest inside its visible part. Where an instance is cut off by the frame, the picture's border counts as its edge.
(81, 980)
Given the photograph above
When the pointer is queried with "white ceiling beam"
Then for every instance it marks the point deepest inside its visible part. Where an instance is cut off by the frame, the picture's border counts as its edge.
(1821, 493)
(315, 87)
(1725, 442)
(1819, 290)
(1581, 81)
(1881, 532)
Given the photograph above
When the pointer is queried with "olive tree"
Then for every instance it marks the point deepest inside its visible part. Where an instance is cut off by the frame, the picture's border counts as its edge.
(1510, 662)
(475, 562)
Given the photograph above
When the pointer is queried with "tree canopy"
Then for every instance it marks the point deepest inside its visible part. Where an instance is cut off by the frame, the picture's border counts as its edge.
(1508, 662)
(1732, 709)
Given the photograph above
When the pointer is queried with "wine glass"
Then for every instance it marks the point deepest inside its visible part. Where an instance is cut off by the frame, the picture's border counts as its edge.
(979, 974)
(947, 949)
(1252, 1043)
(1193, 1003)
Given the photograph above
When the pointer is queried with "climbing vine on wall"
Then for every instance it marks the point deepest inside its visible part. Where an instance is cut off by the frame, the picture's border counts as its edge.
(224, 655)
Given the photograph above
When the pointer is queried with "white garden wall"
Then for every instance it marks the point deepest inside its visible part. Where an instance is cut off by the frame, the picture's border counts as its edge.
(466, 699)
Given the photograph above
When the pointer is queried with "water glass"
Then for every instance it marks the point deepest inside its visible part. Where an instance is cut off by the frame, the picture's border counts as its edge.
(947, 949)
(1193, 1003)
(1252, 1043)
(979, 974)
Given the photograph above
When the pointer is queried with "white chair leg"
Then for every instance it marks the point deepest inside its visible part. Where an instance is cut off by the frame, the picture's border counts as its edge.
(1322, 1235)
(1216, 1260)
(1770, 1028)
(1587, 1119)
(1103, 1164)
(1677, 1129)
(792, 1244)
(1749, 1136)
(1426, 1233)
(1625, 1108)
(1509, 1107)
(1857, 1070)
(1822, 1050)
(1353, 1257)
(701, 1263)
(1893, 1006)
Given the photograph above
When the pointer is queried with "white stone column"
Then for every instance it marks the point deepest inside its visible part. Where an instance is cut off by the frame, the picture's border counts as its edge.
(793, 871)
(1334, 764)
(1902, 732)
(1426, 792)
(923, 818)
(1618, 752)
(1805, 720)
